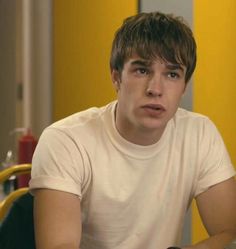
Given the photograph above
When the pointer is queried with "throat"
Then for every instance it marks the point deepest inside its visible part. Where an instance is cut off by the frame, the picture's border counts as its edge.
(136, 132)
(141, 136)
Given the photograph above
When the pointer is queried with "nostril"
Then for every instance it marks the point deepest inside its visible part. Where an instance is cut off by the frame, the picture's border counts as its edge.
(150, 92)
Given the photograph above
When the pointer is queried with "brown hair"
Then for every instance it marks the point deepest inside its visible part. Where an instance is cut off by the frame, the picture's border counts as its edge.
(153, 35)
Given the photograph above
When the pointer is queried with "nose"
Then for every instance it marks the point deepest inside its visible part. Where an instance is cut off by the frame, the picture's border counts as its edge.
(155, 86)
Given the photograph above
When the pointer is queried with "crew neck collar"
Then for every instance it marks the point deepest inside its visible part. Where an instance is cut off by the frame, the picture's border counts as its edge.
(126, 147)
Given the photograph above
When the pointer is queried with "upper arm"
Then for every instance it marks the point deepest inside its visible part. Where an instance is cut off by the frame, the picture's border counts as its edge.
(217, 207)
(57, 219)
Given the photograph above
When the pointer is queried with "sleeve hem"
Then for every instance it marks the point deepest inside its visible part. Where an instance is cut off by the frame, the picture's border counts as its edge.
(55, 184)
(212, 180)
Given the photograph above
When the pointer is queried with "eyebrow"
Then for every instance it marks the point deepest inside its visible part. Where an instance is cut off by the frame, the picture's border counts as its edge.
(146, 63)
(175, 67)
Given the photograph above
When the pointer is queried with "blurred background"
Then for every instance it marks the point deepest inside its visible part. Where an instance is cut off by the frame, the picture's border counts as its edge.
(54, 61)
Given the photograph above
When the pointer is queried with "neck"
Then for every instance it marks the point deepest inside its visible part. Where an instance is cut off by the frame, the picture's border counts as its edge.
(141, 138)
(139, 135)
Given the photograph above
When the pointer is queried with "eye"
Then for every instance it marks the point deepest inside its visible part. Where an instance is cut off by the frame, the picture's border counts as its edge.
(173, 75)
(142, 70)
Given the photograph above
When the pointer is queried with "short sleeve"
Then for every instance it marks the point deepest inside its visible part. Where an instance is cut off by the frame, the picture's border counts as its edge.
(214, 165)
(60, 163)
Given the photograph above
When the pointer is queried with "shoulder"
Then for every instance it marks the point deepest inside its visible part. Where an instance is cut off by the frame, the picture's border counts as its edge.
(185, 115)
(71, 138)
(83, 117)
(192, 121)
(196, 129)
(81, 123)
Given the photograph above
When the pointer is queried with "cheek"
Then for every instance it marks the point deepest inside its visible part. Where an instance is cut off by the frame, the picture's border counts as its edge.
(174, 97)
(127, 90)
(177, 91)
(127, 98)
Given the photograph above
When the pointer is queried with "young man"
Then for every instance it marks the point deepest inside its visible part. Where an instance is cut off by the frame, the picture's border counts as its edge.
(122, 176)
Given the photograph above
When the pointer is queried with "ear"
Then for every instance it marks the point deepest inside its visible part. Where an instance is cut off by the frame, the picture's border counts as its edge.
(116, 79)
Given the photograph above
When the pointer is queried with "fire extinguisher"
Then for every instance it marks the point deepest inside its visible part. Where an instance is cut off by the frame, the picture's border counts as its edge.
(26, 146)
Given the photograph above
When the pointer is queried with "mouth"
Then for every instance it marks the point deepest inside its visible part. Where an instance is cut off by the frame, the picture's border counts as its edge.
(154, 110)
(154, 107)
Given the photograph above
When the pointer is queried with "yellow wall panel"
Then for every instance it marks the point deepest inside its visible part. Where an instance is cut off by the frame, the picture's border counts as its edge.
(83, 32)
(215, 78)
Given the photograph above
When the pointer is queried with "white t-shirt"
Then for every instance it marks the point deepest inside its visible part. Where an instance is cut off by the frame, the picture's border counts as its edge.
(132, 196)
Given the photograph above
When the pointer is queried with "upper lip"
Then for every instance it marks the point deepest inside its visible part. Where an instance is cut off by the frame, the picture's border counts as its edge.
(154, 106)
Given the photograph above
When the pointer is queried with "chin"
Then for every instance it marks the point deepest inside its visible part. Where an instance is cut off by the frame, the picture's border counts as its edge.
(155, 125)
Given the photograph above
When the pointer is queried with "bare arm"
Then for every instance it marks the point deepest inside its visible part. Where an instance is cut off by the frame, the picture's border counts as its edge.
(217, 208)
(57, 220)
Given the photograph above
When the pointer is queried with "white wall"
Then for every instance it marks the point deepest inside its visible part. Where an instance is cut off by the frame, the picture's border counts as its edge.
(25, 75)
(7, 74)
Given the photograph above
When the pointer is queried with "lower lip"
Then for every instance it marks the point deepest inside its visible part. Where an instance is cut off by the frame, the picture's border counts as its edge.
(153, 112)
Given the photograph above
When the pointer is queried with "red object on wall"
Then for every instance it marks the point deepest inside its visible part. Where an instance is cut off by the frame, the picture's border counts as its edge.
(26, 147)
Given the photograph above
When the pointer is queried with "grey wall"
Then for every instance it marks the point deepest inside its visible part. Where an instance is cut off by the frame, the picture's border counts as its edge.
(41, 59)
(180, 8)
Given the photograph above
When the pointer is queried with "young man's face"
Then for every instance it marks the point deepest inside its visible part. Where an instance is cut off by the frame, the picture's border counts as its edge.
(149, 93)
